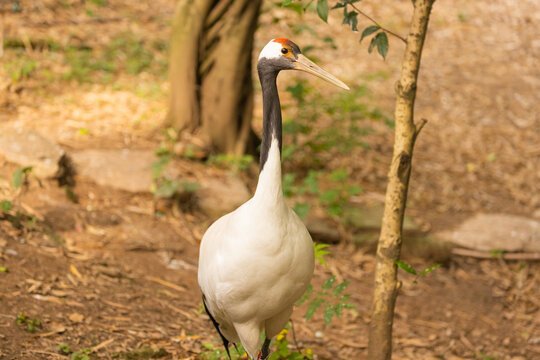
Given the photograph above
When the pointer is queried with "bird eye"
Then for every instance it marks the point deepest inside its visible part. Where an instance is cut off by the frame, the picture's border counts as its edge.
(284, 51)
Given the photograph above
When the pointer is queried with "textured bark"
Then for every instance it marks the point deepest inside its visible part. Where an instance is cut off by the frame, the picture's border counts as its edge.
(187, 31)
(389, 246)
(211, 83)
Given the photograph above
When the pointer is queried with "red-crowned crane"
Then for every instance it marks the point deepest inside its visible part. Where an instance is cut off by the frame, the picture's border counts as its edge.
(257, 261)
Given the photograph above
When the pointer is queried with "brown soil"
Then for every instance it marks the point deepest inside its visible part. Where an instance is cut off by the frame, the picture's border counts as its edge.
(113, 274)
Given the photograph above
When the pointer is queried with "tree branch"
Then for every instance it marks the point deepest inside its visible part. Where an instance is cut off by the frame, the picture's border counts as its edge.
(379, 25)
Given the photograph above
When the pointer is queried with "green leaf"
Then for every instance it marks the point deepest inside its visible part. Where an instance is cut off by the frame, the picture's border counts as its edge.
(339, 175)
(382, 44)
(408, 268)
(339, 288)
(17, 178)
(63, 348)
(298, 8)
(4, 269)
(329, 283)
(335, 210)
(288, 151)
(313, 306)
(286, 2)
(322, 9)
(288, 184)
(372, 44)
(302, 210)
(298, 91)
(368, 31)
(167, 189)
(320, 246)
(320, 253)
(328, 314)
(351, 19)
(355, 190)
(190, 186)
(6, 205)
(311, 182)
(302, 300)
(429, 269)
(329, 196)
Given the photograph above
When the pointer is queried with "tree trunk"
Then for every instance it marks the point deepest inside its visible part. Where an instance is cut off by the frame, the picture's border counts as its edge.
(389, 246)
(210, 71)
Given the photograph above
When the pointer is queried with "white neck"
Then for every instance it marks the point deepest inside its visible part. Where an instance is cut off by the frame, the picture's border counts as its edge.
(269, 185)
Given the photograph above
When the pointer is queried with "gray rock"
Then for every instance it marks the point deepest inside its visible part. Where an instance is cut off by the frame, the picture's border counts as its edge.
(488, 232)
(129, 170)
(321, 231)
(216, 197)
(30, 148)
(369, 216)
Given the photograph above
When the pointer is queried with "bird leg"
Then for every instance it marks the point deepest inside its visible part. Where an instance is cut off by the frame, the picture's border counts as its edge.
(265, 351)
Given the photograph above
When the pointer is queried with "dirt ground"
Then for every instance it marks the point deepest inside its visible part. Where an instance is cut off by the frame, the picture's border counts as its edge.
(113, 277)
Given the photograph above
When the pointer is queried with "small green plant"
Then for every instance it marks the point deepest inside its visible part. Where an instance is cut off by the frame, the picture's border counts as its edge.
(338, 195)
(163, 187)
(6, 205)
(83, 354)
(332, 191)
(63, 349)
(320, 252)
(20, 176)
(20, 69)
(284, 349)
(330, 297)
(213, 352)
(496, 253)
(230, 161)
(31, 324)
(411, 270)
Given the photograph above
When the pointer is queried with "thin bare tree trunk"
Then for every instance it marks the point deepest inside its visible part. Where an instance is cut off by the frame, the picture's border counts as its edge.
(389, 246)
(211, 84)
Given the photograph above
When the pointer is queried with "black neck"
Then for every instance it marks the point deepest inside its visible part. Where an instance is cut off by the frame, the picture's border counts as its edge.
(271, 113)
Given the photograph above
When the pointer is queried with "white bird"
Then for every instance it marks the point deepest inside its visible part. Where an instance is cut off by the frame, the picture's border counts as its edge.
(257, 261)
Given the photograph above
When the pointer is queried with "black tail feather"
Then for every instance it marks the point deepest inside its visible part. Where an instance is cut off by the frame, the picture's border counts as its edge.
(216, 325)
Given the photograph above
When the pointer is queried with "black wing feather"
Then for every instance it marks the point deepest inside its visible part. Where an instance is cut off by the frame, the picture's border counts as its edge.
(216, 325)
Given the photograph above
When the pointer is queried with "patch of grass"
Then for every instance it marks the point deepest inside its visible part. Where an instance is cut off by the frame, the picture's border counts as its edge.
(229, 161)
(83, 354)
(213, 352)
(125, 53)
(28, 323)
(63, 349)
(20, 68)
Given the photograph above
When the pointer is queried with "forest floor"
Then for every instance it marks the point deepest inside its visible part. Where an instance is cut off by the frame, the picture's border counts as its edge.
(93, 271)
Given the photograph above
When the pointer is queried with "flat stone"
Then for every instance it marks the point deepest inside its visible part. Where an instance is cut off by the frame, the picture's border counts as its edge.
(321, 231)
(30, 148)
(217, 197)
(504, 232)
(370, 217)
(129, 170)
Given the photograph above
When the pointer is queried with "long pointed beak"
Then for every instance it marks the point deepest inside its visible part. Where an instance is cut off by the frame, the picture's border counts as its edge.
(304, 64)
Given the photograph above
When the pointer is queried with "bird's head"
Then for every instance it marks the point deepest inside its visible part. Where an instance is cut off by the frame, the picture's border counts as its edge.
(283, 54)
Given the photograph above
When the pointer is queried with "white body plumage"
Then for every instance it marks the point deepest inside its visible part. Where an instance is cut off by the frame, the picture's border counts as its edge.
(256, 262)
